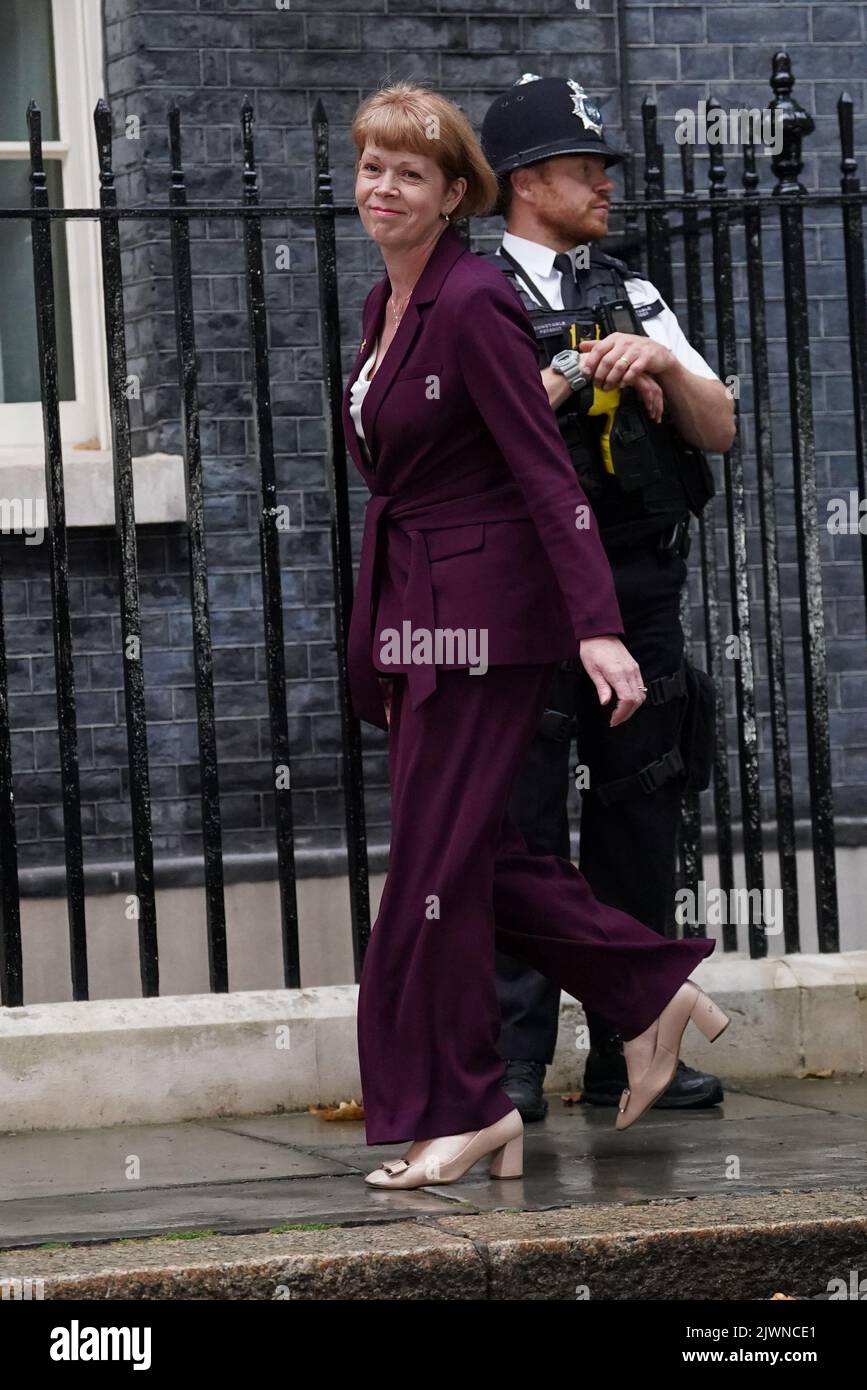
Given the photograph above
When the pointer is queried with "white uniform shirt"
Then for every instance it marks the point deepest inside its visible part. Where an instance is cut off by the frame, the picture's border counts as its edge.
(538, 261)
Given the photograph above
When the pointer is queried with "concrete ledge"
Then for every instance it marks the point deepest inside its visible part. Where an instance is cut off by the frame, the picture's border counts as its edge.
(109, 1062)
(790, 1014)
(735, 1248)
(311, 861)
(320, 859)
(140, 1061)
(88, 484)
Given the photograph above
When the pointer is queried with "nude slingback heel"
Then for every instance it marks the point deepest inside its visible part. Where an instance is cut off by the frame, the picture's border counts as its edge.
(690, 1002)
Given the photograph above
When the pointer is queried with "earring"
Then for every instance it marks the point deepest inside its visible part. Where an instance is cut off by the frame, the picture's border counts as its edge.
(446, 216)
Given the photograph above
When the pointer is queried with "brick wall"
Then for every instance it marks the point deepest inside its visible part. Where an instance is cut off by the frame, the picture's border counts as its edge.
(207, 56)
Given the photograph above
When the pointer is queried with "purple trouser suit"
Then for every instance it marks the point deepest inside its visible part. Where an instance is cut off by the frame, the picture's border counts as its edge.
(461, 881)
(477, 522)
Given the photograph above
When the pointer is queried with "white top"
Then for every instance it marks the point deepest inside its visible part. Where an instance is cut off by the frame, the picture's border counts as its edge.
(357, 392)
(538, 261)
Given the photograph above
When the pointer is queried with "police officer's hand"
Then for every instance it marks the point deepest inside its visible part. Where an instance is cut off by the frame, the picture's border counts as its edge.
(612, 669)
(649, 391)
(621, 358)
(650, 394)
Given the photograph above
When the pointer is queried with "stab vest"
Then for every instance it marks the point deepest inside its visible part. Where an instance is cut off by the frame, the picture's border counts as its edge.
(657, 477)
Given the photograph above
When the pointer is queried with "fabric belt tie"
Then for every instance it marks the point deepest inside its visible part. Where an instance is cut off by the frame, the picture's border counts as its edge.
(415, 517)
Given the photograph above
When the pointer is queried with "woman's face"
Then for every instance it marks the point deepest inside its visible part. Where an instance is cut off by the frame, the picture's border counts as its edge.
(400, 196)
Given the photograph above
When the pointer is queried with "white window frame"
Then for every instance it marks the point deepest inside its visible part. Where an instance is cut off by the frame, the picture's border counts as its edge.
(78, 49)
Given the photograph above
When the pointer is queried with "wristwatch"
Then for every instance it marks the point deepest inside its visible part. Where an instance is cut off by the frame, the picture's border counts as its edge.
(568, 364)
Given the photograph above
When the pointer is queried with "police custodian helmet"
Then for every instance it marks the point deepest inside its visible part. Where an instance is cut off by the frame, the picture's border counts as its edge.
(538, 118)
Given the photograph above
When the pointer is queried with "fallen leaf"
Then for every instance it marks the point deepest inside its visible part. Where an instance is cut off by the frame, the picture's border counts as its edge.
(346, 1110)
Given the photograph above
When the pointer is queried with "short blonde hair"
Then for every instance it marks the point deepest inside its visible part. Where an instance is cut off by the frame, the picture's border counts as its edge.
(406, 117)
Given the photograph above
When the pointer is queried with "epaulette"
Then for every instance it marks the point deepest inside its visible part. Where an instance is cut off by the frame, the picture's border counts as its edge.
(603, 258)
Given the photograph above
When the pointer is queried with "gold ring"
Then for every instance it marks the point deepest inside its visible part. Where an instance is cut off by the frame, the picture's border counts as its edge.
(623, 361)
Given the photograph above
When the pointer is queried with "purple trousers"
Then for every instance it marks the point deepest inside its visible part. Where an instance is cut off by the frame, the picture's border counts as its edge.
(461, 882)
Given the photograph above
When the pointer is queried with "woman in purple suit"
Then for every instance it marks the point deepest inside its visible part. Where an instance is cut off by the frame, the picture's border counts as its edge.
(481, 570)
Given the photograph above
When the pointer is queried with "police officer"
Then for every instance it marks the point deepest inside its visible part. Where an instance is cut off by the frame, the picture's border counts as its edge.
(636, 405)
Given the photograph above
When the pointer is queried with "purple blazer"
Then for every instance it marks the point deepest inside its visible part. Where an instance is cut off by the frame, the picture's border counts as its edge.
(477, 520)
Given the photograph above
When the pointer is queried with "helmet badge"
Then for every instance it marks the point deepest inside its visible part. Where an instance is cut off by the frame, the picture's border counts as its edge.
(582, 107)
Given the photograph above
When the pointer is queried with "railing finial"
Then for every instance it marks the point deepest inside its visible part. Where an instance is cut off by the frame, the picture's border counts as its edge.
(250, 181)
(37, 166)
(796, 122)
(176, 176)
(102, 126)
(848, 163)
(716, 170)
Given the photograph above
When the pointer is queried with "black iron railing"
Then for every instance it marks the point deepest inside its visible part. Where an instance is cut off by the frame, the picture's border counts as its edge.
(680, 229)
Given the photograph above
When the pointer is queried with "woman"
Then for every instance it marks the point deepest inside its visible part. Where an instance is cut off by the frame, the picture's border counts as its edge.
(481, 570)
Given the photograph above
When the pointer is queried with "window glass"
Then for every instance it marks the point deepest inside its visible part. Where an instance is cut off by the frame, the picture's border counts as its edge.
(19, 357)
(26, 68)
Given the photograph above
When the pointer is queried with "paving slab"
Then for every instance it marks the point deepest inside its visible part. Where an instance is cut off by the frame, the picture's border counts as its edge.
(837, 1095)
(133, 1156)
(225, 1207)
(242, 1175)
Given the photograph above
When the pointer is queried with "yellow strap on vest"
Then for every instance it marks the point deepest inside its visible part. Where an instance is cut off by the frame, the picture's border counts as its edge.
(604, 403)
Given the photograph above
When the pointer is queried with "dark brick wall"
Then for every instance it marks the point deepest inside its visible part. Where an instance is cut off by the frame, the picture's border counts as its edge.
(678, 54)
(207, 56)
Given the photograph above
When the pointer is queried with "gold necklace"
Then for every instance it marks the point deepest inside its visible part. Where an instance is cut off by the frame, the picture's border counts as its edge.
(403, 303)
(398, 316)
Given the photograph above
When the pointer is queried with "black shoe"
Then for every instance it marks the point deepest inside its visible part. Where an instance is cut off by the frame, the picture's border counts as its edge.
(605, 1078)
(522, 1082)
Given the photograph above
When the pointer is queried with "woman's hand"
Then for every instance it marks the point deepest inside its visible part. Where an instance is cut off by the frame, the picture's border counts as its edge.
(386, 685)
(609, 665)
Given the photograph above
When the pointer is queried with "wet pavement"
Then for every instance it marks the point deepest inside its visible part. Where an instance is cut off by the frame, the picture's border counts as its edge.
(248, 1175)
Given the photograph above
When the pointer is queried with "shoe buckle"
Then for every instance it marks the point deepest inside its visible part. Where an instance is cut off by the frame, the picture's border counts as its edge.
(624, 1100)
(395, 1166)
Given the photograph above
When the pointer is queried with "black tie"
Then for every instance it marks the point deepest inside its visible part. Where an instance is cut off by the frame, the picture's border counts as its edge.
(568, 287)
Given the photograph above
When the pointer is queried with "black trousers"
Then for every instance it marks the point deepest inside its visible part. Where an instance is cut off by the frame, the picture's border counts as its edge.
(627, 849)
